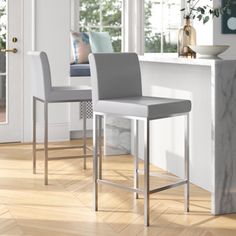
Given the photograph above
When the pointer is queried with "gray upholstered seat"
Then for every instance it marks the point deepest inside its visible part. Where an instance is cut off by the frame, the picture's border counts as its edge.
(117, 90)
(42, 84)
(43, 91)
(142, 106)
(70, 94)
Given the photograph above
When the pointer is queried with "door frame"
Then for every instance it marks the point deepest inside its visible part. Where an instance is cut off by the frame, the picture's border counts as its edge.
(22, 71)
(33, 26)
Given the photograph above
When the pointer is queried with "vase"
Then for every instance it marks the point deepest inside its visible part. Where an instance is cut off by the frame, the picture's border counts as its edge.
(186, 37)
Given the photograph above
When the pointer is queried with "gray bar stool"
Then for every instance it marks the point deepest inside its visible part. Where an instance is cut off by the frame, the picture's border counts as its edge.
(44, 92)
(117, 90)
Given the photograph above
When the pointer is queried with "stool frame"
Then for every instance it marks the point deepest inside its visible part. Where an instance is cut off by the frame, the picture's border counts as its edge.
(46, 148)
(146, 191)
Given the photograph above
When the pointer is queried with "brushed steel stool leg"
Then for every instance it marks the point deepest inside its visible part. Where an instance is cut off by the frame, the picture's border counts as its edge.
(46, 143)
(136, 161)
(146, 172)
(84, 132)
(100, 147)
(186, 163)
(95, 161)
(34, 134)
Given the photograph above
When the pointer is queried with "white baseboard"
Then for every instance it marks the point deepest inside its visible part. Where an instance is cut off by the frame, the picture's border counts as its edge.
(56, 132)
(77, 134)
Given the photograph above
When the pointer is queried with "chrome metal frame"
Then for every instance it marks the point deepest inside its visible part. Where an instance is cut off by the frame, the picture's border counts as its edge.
(95, 160)
(186, 163)
(97, 164)
(136, 159)
(46, 148)
(84, 131)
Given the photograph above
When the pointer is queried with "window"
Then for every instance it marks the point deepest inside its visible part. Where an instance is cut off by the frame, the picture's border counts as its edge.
(161, 24)
(102, 15)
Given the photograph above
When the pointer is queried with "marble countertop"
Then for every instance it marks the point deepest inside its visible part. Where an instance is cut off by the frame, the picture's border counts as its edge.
(211, 87)
(183, 61)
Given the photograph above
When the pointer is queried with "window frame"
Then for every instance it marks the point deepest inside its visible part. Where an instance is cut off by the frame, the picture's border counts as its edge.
(182, 2)
(75, 4)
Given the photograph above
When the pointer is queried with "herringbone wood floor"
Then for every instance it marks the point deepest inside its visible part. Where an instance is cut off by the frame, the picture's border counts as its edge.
(27, 207)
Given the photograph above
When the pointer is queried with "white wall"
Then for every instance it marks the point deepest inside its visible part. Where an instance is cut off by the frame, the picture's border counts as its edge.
(219, 38)
(52, 36)
(204, 31)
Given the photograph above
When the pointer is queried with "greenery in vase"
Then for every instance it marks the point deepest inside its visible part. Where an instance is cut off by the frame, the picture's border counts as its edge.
(204, 12)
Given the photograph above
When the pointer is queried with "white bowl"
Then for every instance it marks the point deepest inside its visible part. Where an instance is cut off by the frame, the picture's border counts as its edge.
(209, 51)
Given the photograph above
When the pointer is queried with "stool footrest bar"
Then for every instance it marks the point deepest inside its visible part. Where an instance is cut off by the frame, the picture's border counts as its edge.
(169, 186)
(102, 181)
(89, 148)
(59, 148)
(68, 157)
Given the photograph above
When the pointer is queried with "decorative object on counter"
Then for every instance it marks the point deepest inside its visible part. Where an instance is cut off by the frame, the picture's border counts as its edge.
(229, 19)
(193, 10)
(186, 37)
(209, 51)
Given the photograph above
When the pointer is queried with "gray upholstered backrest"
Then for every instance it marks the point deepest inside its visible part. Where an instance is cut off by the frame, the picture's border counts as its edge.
(115, 75)
(41, 75)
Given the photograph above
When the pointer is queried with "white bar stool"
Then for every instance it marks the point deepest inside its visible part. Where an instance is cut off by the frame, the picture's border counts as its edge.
(44, 92)
(117, 90)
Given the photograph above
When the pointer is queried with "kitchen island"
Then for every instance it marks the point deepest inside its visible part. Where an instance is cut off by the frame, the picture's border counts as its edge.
(211, 86)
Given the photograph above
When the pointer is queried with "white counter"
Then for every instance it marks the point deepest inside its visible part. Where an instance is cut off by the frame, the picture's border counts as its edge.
(175, 60)
(211, 86)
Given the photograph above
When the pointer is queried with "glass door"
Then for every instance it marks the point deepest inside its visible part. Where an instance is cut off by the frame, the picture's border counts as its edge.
(10, 70)
(3, 85)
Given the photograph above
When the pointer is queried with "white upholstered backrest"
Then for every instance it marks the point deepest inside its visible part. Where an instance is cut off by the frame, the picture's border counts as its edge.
(41, 75)
(115, 75)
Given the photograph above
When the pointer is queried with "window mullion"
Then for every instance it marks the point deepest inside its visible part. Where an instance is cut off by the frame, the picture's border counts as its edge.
(101, 17)
(101, 20)
(160, 30)
(162, 23)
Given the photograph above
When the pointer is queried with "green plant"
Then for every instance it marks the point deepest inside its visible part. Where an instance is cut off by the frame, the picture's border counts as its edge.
(203, 13)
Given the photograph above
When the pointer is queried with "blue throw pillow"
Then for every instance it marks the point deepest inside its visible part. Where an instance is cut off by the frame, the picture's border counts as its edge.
(100, 42)
(80, 47)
